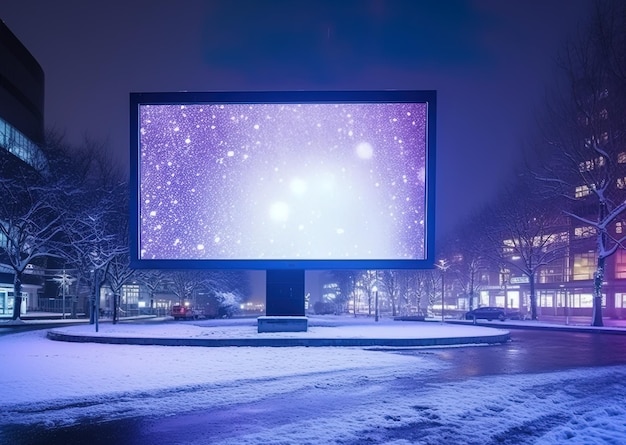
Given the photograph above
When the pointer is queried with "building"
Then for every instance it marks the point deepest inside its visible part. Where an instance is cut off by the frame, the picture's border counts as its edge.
(565, 286)
(21, 134)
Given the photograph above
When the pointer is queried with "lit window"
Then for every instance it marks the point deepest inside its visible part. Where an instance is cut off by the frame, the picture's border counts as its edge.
(619, 227)
(19, 145)
(584, 232)
(621, 183)
(621, 157)
(584, 265)
(581, 191)
(620, 264)
(591, 164)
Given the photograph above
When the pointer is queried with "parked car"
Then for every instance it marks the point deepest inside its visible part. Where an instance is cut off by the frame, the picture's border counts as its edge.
(492, 313)
(185, 313)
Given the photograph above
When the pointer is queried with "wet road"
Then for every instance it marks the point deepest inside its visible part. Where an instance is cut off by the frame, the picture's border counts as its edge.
(528, 352)
(532, 351)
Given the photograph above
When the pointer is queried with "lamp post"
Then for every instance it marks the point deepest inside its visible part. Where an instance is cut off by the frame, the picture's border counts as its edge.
(442, 265)
(375, 289)
(64, 281)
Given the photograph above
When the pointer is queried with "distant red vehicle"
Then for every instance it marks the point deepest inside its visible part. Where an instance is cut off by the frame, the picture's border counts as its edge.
(181, 312)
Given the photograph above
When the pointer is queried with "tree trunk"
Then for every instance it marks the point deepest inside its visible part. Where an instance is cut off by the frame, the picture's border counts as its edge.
(533, 297)
(597, 293)
(17, 296)
(115, 306)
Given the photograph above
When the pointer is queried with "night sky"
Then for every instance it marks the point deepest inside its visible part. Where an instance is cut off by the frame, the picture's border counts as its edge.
(489, 60)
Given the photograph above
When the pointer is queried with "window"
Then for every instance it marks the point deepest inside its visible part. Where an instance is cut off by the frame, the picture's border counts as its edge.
(584, 265)
(581, 191)
(546, 299)
(16, 143)
(621, 157)
(484, 298)
(620, 264)
(604, 114)
(554, 273)
(620, 300)
(582, 300)
(484, 278)
(619, 227)
(584, 232)
(621, 183)
(130, 294)
(591, 164)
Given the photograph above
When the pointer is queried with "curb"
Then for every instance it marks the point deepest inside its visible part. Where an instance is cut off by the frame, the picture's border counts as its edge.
(566, 328)
(282, 342)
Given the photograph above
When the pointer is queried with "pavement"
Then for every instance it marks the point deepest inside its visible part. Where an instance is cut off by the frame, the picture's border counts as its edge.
(323, 331)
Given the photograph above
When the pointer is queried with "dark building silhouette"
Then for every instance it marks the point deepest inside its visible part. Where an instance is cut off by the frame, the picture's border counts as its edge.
(22, 92)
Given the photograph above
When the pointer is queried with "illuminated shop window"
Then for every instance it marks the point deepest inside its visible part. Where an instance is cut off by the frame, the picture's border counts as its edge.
(130, 294)
(582, 300)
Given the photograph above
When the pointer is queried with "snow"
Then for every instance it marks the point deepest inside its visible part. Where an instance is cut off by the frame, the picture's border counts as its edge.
(322, 327)
(353, 395)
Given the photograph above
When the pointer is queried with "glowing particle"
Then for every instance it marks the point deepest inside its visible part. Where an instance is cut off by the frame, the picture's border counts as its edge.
(153, 213)
(257, 126)
(279, 211)
(364, 150)
(230, 154)
(200, 247)
(298, 186)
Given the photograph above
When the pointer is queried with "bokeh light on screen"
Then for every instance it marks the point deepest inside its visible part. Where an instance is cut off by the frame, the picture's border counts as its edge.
(273, 181)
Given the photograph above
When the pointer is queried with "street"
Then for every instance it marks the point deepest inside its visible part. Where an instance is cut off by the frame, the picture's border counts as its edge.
(331, 396)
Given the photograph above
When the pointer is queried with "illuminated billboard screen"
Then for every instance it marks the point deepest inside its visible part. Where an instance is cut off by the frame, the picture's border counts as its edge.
(282, 180)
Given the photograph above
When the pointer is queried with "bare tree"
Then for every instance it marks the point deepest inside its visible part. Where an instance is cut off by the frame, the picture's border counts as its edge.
(526, 234)
(467, 254)
(31, 212)
(346, 281)
(153, 280)
(389, 282)
(584, 133)
(95, 226)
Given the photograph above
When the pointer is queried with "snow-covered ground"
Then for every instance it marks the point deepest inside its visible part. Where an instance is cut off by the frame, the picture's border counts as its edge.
(319, 327)
(339, 395)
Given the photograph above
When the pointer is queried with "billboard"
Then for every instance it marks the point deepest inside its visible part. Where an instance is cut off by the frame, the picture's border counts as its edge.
(282, 180)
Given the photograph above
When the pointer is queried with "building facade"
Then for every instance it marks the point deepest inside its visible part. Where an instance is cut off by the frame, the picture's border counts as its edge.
(21, 134)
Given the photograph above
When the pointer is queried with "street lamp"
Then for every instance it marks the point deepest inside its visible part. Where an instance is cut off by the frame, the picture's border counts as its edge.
(375, 289)
(64, 281)
(442, 265)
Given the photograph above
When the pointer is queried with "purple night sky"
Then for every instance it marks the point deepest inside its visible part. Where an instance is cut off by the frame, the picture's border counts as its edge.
(491, 62)
(283, 181)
